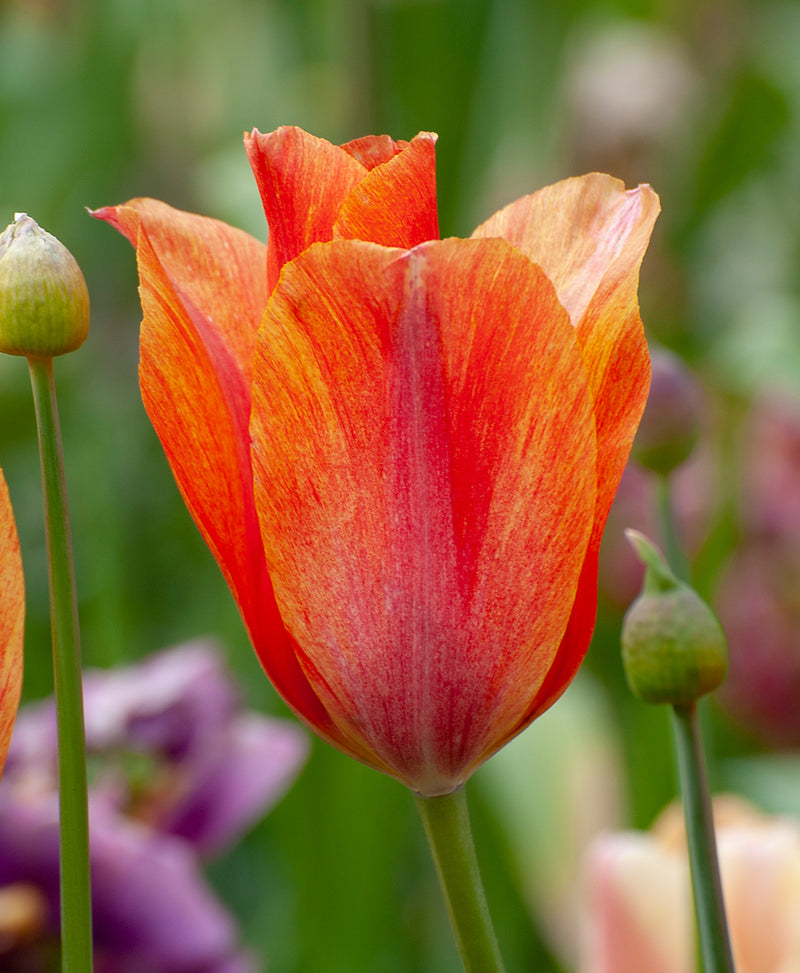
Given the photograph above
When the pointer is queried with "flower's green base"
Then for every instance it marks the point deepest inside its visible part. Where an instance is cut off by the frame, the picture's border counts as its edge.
(447, 826)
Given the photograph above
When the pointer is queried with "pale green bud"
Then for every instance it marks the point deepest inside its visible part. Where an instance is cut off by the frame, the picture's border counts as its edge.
(673, 648)
(44, 302)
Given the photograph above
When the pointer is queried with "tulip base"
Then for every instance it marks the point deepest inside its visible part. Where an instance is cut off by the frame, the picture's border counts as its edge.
(446, 821)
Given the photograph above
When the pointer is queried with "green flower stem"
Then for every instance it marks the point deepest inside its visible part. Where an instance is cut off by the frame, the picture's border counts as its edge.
(673, 552)
(712, 928)
(446, 823)
(76, 913)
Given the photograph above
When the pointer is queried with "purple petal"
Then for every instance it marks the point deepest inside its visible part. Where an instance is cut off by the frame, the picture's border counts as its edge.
(172, 702)
(242, 778)
(152, 907)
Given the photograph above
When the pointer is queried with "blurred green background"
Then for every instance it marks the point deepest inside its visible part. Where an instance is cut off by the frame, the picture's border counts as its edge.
(101, 100)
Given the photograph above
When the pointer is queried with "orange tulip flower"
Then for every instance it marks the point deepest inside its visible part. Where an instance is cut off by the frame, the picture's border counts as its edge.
(12, 621)
(401, 450)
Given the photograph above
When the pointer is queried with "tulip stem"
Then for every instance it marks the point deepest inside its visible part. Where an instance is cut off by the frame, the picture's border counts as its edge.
(446, 821)
(673, 551)
(709, 906)
(76, 915)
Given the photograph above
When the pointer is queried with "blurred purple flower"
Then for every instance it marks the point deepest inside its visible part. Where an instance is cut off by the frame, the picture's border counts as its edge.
(176, 771)
(758, 600)
(673, 439)
(758, 603)
(771, 471)
(693, 491)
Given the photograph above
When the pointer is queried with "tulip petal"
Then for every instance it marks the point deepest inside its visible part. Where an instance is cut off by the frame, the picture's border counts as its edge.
(203, 293)
(589, 235)
(424, 461)
(374, 150)
(303, 181)
(395, 205)
(12, 620)
(370, 189)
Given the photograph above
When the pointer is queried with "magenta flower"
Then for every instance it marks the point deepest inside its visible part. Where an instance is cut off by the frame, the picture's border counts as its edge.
(178, 771)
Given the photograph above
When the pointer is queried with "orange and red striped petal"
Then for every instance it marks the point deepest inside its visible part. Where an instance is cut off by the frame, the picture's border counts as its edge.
(424, 460)
(589, 235)
(203, 292)
(395, 204)
(371, 189)
(303, 181)
(12, 621)
(374, 150)
(216, 271)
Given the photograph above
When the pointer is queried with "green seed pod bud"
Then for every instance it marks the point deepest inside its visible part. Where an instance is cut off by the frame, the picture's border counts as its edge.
(673, 648)
(44, 302)
(670, 425)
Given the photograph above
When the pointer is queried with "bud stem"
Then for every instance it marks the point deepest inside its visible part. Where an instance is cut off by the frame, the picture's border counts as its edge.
(709, 906)
(673, 550)
(76, 915)
(446, 821)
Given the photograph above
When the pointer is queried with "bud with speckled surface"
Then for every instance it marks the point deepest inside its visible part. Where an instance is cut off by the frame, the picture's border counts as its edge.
(673, 648)
(44, 302)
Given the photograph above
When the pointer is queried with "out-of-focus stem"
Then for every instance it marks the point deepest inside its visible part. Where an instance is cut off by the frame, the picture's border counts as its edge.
(673, 550)
(712, 928)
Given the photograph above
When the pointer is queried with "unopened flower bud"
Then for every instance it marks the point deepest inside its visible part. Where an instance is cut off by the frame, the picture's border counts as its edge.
(44, 302)
(673, 648)
(670, 425)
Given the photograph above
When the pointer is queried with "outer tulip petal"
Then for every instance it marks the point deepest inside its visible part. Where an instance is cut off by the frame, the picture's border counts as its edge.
(370, 189)
(12, 620)
(203, 292)
(395, 205)
(424, 459)
(589, 235)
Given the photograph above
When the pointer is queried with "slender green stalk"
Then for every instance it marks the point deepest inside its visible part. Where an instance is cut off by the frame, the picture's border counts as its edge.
(673, 551)
(447, 826)
(76, 914)
(712, 928)
(709, 905)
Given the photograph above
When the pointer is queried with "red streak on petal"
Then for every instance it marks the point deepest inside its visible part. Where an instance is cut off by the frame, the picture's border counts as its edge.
(12, 620)
(424, 464)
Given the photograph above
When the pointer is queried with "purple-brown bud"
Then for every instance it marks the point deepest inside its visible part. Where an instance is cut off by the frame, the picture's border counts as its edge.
(669, 428)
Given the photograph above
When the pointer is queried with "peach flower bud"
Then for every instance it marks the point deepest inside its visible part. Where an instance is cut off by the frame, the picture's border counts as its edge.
(638, 906)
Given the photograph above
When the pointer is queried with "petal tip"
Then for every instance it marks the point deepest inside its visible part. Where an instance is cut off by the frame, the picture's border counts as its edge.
(106, 213)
